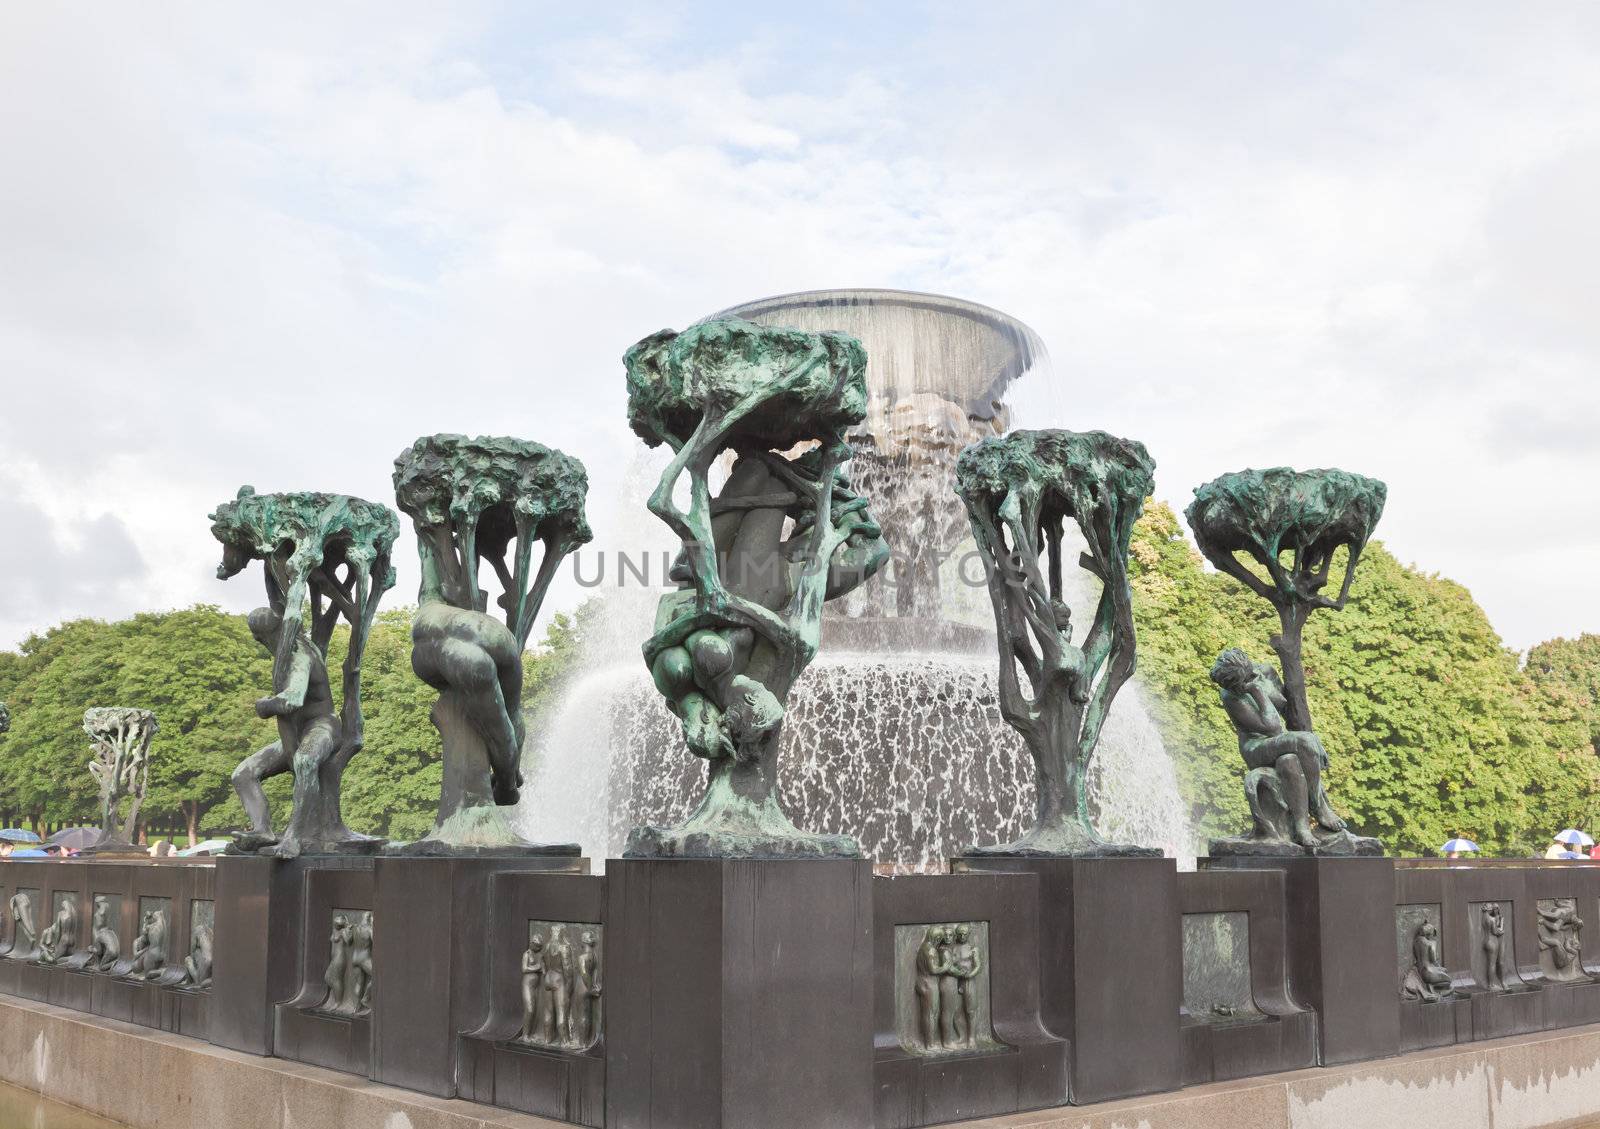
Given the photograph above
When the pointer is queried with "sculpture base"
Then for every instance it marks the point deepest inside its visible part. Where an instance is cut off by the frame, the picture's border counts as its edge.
(1111, 983)
(739, 994)
(434, 848)
(477, 830)
(266, 846)
(1064, 841)
(1340, 844)
(696, 843)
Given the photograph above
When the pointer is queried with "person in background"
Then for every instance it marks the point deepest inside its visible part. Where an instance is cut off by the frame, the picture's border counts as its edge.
(161, 848)
(6, 847)
(1557, 849)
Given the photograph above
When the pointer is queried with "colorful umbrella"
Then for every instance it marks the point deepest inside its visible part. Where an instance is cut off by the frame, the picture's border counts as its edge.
(1459, 845)
(18, 835)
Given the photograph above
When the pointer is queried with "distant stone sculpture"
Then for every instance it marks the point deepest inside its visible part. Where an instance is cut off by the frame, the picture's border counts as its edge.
(1020, 490)
(1499, 969)
(121, 767)
(947, 982)
(150, 946)
(331, 553)
(24, 932)
(197, 965)
(1560, 943)
(105, 947)
(784, 535)
(60, 939)
(1427, 980)
(561, 988)
(472, 500)
(1265, 515)
(349, 973)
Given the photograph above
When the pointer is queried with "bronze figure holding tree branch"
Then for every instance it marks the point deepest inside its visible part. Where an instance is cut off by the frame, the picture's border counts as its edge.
(784, 535)
(1289, 525)
(476, 500)
(326, 557)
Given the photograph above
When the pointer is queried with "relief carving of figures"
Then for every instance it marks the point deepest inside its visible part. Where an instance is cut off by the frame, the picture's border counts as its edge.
(1277, 532)
(60, 938)
(561, 986)
(150, 946)
(1560, 944)
(105, 947)
(24, 932)
(349, 973)
(120, 737)
(1427, 980)
(197, 965)
(949, 975)
(1499, 969)
(329, 555)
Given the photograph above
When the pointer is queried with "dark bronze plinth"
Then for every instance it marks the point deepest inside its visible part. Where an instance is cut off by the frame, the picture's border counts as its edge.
(740, 994)
(1111, 966)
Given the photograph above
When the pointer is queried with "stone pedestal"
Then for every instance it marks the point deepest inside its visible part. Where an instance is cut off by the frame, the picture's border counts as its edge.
(1010, 1062)
(739, 995)
(1111, 968)
(433, 916)
(260, 919)
(1341, 941)
(1240, 1018)
(550, 1078)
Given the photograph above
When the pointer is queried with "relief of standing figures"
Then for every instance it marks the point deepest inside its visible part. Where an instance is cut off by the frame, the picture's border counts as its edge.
(948, 980)
(561, 986)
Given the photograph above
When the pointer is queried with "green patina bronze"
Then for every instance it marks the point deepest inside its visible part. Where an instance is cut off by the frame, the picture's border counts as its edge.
(325, 557)
(1019, 490)
(474, 500)
(746, 618)
(1289, 524)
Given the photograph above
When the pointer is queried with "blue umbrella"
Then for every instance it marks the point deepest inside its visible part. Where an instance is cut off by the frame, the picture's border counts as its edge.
(1573, 838)
(29, 853)
(18, 835)
(1459, 845)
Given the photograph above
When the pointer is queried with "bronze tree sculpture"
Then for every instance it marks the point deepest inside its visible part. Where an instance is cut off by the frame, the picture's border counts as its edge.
(1289, 525)
(327, 555)
(120, 736)
(784, 535)
(476, 500)
(1020, 489)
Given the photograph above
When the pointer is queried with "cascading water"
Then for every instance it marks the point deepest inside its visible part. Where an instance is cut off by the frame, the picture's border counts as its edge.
(893, 735)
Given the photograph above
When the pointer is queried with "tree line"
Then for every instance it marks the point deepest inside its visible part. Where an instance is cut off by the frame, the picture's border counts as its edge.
(1434, 727)
(201, 671)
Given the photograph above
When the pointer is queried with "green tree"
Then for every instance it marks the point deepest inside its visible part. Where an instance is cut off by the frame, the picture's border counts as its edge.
(1573, 665)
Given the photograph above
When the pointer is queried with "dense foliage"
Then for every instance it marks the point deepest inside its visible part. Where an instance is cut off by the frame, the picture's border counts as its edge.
(201, 672)
(1432, 728)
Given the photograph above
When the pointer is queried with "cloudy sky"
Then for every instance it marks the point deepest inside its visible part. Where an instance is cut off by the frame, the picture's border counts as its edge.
(273, 244)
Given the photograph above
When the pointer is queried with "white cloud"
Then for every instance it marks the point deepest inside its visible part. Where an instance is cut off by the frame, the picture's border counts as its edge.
(274, 249)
